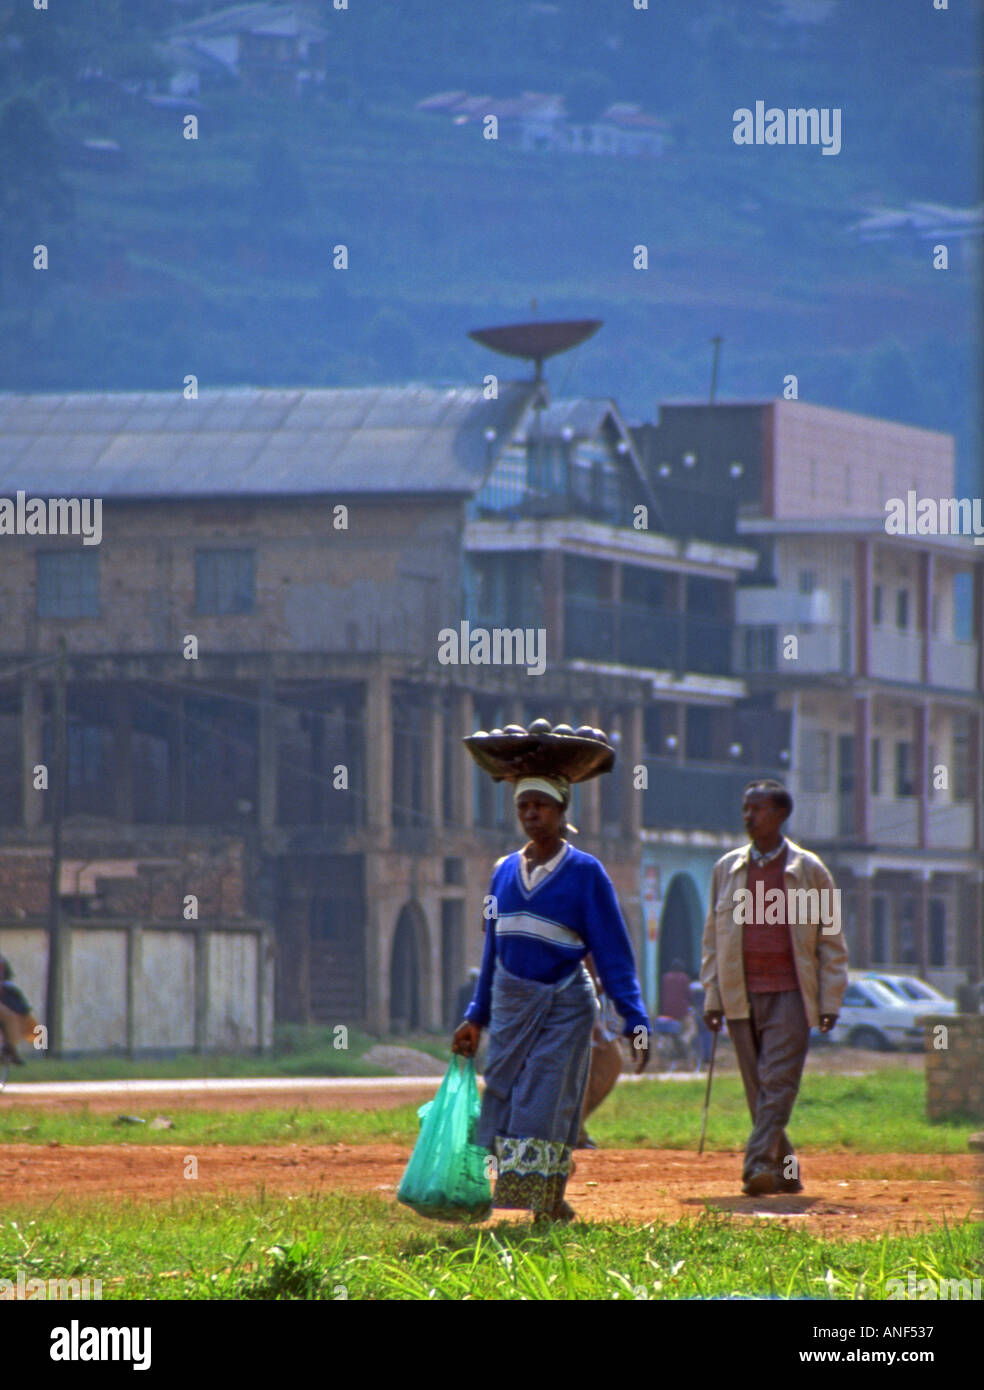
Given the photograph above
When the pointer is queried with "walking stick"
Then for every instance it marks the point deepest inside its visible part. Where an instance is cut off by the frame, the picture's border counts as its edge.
(707, 1097)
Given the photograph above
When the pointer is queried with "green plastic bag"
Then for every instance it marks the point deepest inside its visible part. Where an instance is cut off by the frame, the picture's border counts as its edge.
(447, 1176)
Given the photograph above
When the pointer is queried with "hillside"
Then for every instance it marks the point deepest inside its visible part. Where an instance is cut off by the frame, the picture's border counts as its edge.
(214, 256)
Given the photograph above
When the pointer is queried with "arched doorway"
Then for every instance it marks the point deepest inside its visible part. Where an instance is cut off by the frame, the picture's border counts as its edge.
(681, 926)
(405, 973)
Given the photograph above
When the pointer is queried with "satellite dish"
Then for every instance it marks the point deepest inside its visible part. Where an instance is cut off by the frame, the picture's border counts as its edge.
(536, 341)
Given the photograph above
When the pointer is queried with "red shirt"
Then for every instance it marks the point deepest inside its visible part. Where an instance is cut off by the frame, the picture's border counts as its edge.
(768, 951)
(675, 997)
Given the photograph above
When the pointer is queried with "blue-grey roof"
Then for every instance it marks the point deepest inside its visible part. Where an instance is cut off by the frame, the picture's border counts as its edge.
(255, 442)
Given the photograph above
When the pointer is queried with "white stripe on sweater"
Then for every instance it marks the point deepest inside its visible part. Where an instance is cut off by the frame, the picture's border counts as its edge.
(528, 924)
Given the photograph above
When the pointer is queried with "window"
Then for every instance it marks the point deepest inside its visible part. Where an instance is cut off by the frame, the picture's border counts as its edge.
(815, 754)
(904, 775)
(699, 733)
(760, 649)
(963, 607)
(879, 930)
(876, 767)
(902, 609)
(68, 584)
(937, 933)
(907, 931)
(224, 581)
(876, 605)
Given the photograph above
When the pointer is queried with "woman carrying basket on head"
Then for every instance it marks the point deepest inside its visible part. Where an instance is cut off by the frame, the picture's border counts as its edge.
(551, 905)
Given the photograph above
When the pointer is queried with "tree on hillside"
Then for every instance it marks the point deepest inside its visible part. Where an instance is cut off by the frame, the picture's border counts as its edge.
(35, 202)
(279, 191)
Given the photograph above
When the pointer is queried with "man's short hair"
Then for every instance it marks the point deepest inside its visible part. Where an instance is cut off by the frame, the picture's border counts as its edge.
(780, 796)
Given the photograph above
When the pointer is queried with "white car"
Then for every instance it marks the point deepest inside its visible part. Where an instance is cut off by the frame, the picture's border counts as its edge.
(911, 990)
(872, 1016)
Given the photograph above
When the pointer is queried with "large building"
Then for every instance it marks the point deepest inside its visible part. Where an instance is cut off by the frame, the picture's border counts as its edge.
(301, 602)
(867, 645)
(258, 653)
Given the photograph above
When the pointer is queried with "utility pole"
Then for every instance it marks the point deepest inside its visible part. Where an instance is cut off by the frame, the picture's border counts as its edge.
(56, 787)
(716, 340)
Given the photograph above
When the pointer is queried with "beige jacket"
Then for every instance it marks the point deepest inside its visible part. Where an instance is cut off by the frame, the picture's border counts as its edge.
(819, 949)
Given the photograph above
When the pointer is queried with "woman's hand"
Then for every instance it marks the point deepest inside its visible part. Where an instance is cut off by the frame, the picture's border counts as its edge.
(465, 1040)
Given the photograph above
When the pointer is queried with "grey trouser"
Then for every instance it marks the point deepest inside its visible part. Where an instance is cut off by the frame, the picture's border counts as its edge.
(771, 1047)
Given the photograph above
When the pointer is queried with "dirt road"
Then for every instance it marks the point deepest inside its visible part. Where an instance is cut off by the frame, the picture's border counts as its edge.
(847, 1195)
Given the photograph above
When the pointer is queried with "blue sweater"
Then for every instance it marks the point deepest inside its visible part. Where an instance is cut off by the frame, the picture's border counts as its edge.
(543, 934)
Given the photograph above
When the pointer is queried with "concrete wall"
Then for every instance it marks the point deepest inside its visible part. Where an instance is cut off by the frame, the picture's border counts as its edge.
(388, 582)
(134, 989)
(852, 464)
(955, 1073)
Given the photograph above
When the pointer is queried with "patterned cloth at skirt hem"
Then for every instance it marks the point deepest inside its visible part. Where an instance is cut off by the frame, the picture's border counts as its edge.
(532, 1173)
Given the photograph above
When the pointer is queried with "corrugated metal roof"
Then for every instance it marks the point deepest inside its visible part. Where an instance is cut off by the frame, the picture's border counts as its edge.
(255, 442)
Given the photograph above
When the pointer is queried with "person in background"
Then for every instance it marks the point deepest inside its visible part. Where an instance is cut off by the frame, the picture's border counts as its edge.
(772, 974)
(674, 998)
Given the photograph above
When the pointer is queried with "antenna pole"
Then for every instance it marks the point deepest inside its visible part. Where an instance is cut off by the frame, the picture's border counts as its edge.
(716, 340)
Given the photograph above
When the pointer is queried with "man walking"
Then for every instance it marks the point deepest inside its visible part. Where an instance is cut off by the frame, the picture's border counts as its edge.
(775, 965)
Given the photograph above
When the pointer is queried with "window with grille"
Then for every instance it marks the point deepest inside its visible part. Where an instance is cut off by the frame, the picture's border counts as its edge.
(68, 584)
(224, 581)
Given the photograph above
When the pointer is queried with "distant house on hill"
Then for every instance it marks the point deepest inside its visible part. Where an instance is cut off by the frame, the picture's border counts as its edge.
(539, 121)
(276, 47)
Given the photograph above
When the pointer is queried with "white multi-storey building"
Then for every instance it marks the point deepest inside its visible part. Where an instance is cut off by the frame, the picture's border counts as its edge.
(870, 645)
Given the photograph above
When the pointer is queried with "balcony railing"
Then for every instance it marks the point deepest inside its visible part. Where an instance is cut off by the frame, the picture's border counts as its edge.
(953, 664)
(634, 635)
(697, 796)
(896, 655)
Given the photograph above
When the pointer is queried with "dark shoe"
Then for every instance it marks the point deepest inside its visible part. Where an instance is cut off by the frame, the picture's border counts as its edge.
(8, 1056)
(585, 1142)
(562, 1212)
(789, 1185)
(760, 1183)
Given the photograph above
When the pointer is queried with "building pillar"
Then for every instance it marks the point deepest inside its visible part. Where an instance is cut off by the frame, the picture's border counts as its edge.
(134, 972)
(922, 921)
(176, 775)
(862, 942)
(463, 771)
(433, 726)
(590, 795)
(680, 608)
(629, 754)
(862, 767)
(976, 757)
(925, 581)
(377, 937)
(379, 756)
(863, 573)
(266, 791)
(552, 577)
(922, 770)
(31, 724)
(679, 753)
(122, 754)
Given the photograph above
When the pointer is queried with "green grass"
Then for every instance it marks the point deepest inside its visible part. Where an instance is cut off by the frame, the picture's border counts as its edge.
(298, 1050)
(881, 1113)
(335, 1247)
